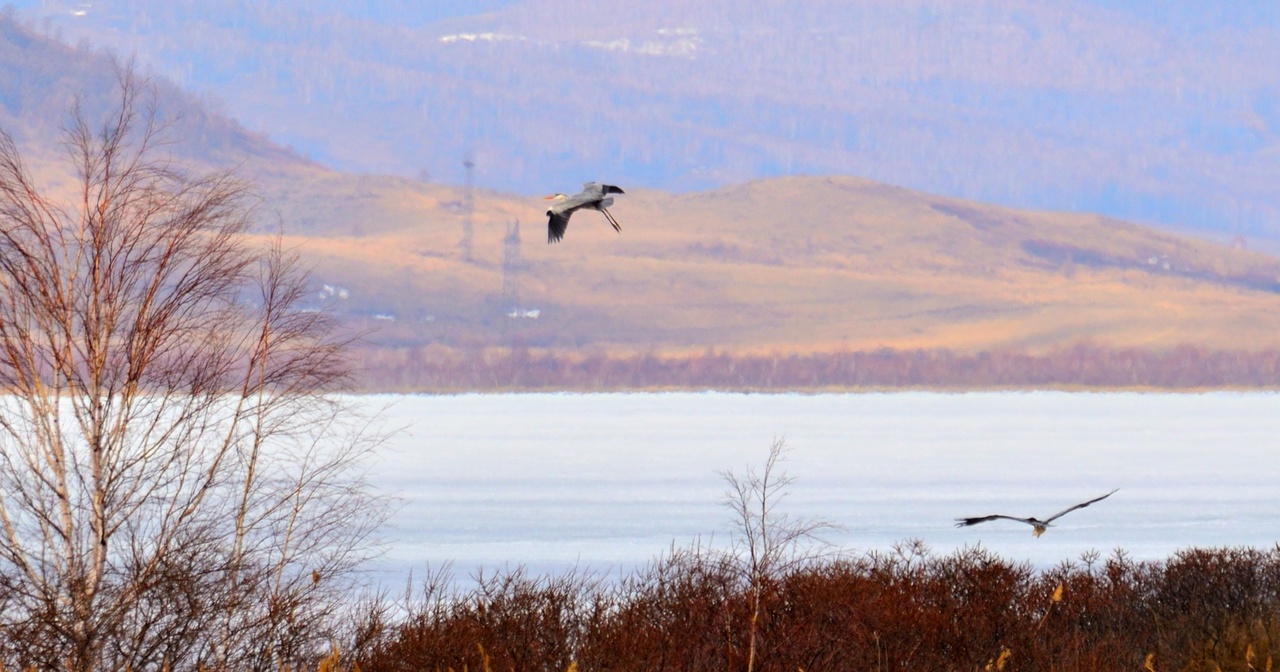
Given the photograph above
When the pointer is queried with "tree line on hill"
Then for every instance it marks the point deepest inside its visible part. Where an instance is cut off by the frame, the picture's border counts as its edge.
(439, 369)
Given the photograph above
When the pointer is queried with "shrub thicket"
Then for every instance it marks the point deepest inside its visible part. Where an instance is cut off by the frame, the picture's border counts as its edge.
(1201, 609)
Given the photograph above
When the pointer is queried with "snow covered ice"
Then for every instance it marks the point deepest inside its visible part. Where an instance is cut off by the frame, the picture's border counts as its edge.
(610, 481)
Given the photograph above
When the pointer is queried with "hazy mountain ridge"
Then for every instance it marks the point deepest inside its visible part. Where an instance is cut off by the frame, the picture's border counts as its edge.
(41, 78)
(798, 264)
(1044, 104)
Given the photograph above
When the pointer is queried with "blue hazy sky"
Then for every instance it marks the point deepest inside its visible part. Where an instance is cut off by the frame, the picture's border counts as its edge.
(1191, 16)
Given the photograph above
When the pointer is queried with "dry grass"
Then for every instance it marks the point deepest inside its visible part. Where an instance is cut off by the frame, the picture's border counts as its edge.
(795, 264)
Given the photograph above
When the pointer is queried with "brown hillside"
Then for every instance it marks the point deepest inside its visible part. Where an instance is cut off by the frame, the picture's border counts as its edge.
(791, 264)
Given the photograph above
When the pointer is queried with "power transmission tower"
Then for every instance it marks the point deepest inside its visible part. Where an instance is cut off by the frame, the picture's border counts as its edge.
(511, 269)
(468, 205)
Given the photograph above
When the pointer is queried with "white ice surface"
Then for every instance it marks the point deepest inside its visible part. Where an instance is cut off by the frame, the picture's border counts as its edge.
(609, 481)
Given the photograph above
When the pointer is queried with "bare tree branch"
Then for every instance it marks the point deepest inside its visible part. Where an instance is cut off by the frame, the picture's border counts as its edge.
(768, 543)
(178, 483)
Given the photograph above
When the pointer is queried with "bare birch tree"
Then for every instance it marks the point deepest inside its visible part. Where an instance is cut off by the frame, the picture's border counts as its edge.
(178, 481)
(767, 543)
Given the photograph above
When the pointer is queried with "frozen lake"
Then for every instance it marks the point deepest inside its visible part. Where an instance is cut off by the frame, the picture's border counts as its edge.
(609, 481)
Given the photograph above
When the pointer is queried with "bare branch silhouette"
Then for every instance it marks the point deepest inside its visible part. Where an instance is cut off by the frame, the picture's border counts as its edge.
(178, 484)
(768, 543)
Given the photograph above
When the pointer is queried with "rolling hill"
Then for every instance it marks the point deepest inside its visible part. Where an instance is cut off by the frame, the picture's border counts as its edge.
(796, 264)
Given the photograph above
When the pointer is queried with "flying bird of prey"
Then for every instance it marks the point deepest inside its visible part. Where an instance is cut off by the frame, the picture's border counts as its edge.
(592, 197)
(1039, 525)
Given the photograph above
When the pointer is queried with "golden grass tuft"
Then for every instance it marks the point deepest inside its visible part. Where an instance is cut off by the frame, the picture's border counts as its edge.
(997, 664)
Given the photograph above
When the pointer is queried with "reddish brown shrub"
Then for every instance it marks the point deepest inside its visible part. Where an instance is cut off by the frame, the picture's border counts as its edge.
(907, 609)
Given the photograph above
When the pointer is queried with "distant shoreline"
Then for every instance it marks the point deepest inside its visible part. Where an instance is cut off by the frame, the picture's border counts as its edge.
(1081, 368)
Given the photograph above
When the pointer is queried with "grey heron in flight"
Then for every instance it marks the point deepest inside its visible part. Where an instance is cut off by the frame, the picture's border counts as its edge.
(1039, 525)
(592, 197)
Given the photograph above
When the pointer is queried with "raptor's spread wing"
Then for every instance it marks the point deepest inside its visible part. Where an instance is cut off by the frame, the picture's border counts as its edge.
(1078, 506)
(962, 522)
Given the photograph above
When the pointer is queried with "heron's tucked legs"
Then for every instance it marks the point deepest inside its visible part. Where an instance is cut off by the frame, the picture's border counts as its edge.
(614, 222)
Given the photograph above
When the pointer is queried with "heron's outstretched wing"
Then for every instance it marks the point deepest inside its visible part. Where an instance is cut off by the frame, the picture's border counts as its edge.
(601, 189)
(1064, 512)
(961, 522)
(557, 222)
